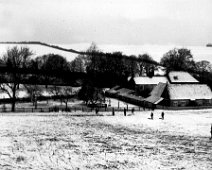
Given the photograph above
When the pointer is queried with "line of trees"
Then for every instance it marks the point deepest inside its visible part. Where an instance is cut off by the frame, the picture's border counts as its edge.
(16, 59)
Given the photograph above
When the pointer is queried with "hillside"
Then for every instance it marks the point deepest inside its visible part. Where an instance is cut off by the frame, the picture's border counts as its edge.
(40, 48)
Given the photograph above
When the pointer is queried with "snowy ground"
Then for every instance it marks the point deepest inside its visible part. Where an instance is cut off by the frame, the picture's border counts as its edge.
(62, 141)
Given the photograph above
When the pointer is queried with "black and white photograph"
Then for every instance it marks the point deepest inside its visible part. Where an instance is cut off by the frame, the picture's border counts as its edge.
(105, 84)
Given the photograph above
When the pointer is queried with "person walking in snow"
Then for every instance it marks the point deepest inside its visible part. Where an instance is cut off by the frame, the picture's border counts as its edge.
(125, 112)
(152, 115)
(162, 115)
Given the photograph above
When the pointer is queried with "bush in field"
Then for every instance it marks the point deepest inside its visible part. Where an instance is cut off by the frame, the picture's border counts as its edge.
(90, 94)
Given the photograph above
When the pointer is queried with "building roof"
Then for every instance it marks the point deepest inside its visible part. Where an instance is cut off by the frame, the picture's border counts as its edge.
(189, 91)
(181, 77)
(154, 99)
(124, 91)
(130, 96)
(147, 80)
(156, 94)
(158, 90)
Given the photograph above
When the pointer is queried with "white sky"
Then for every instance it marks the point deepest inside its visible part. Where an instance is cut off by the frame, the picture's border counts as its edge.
(180, 22)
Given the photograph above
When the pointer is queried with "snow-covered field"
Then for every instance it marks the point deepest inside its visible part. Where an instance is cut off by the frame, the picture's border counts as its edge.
(62, 141)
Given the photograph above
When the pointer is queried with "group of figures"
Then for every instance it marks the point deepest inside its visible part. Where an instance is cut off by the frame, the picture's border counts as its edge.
(151, 116)
(162, 115)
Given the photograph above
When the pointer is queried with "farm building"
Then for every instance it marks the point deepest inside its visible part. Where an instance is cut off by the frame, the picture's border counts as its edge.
(179, 89)
(144, 83)
(184, 90)
(189, 95)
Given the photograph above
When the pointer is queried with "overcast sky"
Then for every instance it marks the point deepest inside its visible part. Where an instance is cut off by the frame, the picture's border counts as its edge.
(180, 22)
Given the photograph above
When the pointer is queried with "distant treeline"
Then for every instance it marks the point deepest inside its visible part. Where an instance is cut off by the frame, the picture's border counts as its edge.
(95, 63)
(98, 53)
(44, 44)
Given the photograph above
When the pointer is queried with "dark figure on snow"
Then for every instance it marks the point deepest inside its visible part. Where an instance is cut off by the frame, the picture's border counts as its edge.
(211, 131)
(152, 115)
(113, 112)
(125, 112)
(162, 115)
(133, 110)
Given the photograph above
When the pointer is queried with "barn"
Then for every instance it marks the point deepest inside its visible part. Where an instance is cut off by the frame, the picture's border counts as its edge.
(181, 95)
(184, 90)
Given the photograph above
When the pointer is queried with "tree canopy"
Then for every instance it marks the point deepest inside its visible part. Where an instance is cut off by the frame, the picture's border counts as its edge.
(178, 60)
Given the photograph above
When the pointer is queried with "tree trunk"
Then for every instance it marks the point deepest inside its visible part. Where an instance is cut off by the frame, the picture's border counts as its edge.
(13, 105)
(66, 105)
(13, 98)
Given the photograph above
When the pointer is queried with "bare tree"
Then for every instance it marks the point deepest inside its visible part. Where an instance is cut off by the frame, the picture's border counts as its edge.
(15, 58)
(65, 93)
(34, 92)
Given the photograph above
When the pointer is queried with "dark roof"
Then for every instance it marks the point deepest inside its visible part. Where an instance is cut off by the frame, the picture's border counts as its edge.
(115, 88)
(124, 91)
(130, 96)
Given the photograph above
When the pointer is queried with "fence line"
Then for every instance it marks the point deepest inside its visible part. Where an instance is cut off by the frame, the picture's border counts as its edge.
(71, 109)
(88, 109)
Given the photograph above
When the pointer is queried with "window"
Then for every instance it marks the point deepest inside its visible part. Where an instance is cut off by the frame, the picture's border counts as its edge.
(175, 103)
(175, 77)
(207, 101)
(199, 102)
(182, 103)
